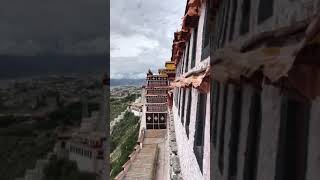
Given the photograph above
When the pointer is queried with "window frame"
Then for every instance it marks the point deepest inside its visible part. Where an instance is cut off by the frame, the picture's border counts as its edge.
(200, 129)
(194, 47)
(263, 14)
(245, 17)
(189, 104)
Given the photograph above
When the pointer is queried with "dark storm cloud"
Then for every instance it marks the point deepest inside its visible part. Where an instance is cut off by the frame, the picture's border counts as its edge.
(63, 26)
(141, 34)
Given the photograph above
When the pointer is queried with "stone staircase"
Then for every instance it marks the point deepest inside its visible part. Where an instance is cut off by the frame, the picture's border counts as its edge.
(161, 133)
(144, 165)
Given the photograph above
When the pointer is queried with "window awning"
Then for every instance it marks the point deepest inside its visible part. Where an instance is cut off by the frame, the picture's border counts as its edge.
(191, 18)
(274, 62)
(198, 79)
(179, 45)
(283, 54)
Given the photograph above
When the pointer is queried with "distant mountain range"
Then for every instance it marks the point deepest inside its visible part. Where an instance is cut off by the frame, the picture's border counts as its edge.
(25, 66)
(127, 82)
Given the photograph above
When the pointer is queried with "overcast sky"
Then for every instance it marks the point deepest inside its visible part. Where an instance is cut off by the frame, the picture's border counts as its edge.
(141, 35)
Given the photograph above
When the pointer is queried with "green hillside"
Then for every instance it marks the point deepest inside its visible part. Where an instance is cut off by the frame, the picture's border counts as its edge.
(123, 141)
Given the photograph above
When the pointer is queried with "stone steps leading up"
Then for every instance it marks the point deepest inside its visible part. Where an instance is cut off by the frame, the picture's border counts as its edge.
(155, 133)
(144, 164)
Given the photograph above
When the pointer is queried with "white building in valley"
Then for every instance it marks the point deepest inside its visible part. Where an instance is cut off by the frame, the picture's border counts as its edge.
(87, 145)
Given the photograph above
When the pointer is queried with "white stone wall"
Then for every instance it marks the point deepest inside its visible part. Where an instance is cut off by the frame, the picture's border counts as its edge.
(143, 124)
(207, 147)
(188, 161)
(84, 163)
(189, 165)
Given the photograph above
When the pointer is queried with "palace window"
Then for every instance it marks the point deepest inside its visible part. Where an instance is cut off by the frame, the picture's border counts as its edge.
(194, 47)
(222, 11)
(225, 22)
(182, 62)
(253, 139)
(235, 132)
(187, 59)
(180, 94)
(222, 130)
(188, 112)
(245, 21)
(265, 10)
(233, 18)
(183, 106)
(208, 20)
(293, 140)
(215, 94)
(200, 126)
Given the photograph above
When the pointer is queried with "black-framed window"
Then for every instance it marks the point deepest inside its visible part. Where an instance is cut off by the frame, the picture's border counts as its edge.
(233, 19)
(293, 140)
(194, 47)
(222, 129)
(245, 20)
(215, 95)
(265, 10)
(183, 105)
(179, 97)
(225, 22)
(220, 24)
(200, 128)
(186, 68)
(206, 31)
(253, 138)
(235, 132)
(182, 62)
(188, 112)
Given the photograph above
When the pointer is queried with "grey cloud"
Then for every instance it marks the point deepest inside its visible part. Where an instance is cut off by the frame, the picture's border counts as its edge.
(151, 18)
(51, 25)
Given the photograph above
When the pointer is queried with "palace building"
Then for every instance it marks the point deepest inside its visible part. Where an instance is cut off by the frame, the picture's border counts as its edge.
(169, 70)
(87, 145)
(155, 107)
(264, 88)
(191, 95)
(244, 69)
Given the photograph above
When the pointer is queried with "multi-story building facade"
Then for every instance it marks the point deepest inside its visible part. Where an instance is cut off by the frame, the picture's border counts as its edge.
(264, 75)
(245, 94)
(155, 111)
(191, 96)
(264, 92)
